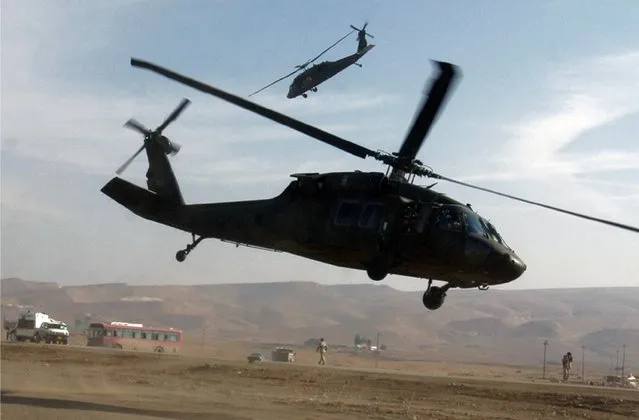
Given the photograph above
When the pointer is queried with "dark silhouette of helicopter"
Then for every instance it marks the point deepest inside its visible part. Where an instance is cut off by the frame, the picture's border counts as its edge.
(312, 77)
(379, 222)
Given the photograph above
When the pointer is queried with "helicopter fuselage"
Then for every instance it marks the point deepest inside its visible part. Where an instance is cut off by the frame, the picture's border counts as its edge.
(310, 78)
(354, 220)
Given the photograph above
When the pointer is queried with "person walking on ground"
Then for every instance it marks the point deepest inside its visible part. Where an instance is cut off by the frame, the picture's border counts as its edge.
(322, 348)
(566, 362)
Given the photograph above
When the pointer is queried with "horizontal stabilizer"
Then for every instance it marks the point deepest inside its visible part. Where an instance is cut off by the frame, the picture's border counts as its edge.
(367, 49)
(143, 202)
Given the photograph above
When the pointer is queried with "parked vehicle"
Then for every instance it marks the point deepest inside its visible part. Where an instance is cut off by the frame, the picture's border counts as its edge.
(39, 327)
(256, 357)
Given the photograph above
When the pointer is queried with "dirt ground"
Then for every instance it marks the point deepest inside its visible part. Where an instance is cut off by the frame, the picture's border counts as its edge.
(69, 382)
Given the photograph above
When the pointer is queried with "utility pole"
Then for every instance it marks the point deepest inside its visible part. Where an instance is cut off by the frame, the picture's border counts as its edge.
(617, 366)
(202, 342)
(545, 347)
(623, 361)
(610, 362)
(377, 351)
(583, 371)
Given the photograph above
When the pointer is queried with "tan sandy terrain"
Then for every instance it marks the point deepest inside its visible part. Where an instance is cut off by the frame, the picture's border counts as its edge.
(68, 382)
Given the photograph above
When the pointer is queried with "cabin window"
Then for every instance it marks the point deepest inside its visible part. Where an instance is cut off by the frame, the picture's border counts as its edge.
(450, 219)
(371, 216)
(348, 213)
(423, 218)
(26, 323)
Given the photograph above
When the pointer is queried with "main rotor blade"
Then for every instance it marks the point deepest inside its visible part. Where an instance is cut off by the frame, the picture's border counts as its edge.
(321, 135)
(534, 203)
(429, 111)
(137, 126)
(278, 80)
(324, 52)
(176, 113)
(128, 162)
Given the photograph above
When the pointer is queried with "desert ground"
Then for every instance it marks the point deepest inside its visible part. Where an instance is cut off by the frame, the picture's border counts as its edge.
(204, 382)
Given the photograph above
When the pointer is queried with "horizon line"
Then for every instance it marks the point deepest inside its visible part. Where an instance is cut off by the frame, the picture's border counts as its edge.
(494, 288)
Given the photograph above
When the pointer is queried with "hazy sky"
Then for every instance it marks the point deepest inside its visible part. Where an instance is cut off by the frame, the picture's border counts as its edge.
(547, 108)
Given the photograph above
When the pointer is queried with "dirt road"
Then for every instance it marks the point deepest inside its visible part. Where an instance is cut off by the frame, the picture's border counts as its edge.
(51, 382)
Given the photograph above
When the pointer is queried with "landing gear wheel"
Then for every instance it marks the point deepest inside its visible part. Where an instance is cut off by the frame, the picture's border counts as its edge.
(181, 255)
(434, 296)
(304, 95)
(314, 89)
(376, 273)
(377, 270)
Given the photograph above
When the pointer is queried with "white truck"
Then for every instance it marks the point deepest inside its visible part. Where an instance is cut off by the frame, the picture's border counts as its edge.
(39, 327)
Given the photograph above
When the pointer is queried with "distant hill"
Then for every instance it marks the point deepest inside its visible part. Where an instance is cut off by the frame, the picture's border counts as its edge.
(490, 326)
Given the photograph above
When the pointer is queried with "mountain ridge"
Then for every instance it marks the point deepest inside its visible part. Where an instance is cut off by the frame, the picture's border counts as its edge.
(471, 325)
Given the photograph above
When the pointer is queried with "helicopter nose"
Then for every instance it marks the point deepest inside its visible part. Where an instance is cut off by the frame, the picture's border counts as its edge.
(508, 266)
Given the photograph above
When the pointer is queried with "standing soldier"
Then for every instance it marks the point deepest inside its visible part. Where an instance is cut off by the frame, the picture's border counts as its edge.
(322, 348)
(566, 362)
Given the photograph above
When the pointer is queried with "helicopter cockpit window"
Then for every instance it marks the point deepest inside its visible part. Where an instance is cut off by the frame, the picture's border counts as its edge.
(371, 216)
(474, 224)
(492, 233)
(348, 213)
(449, 218)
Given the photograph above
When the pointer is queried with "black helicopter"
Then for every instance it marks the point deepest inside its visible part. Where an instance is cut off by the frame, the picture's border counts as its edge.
(312, 77)
(379, 222)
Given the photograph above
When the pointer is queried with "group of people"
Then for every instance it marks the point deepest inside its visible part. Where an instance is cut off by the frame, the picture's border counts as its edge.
(566, 360)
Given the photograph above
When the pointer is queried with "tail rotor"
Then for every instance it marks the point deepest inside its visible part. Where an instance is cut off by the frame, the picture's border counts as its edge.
(362, 32)
(169, 147)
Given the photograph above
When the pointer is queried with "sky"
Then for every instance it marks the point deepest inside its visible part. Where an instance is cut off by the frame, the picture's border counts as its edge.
(547, 108)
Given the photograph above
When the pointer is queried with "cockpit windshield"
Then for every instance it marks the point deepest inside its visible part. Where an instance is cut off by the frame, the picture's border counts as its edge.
(480, 226)
(494, 235)
(474, 224)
